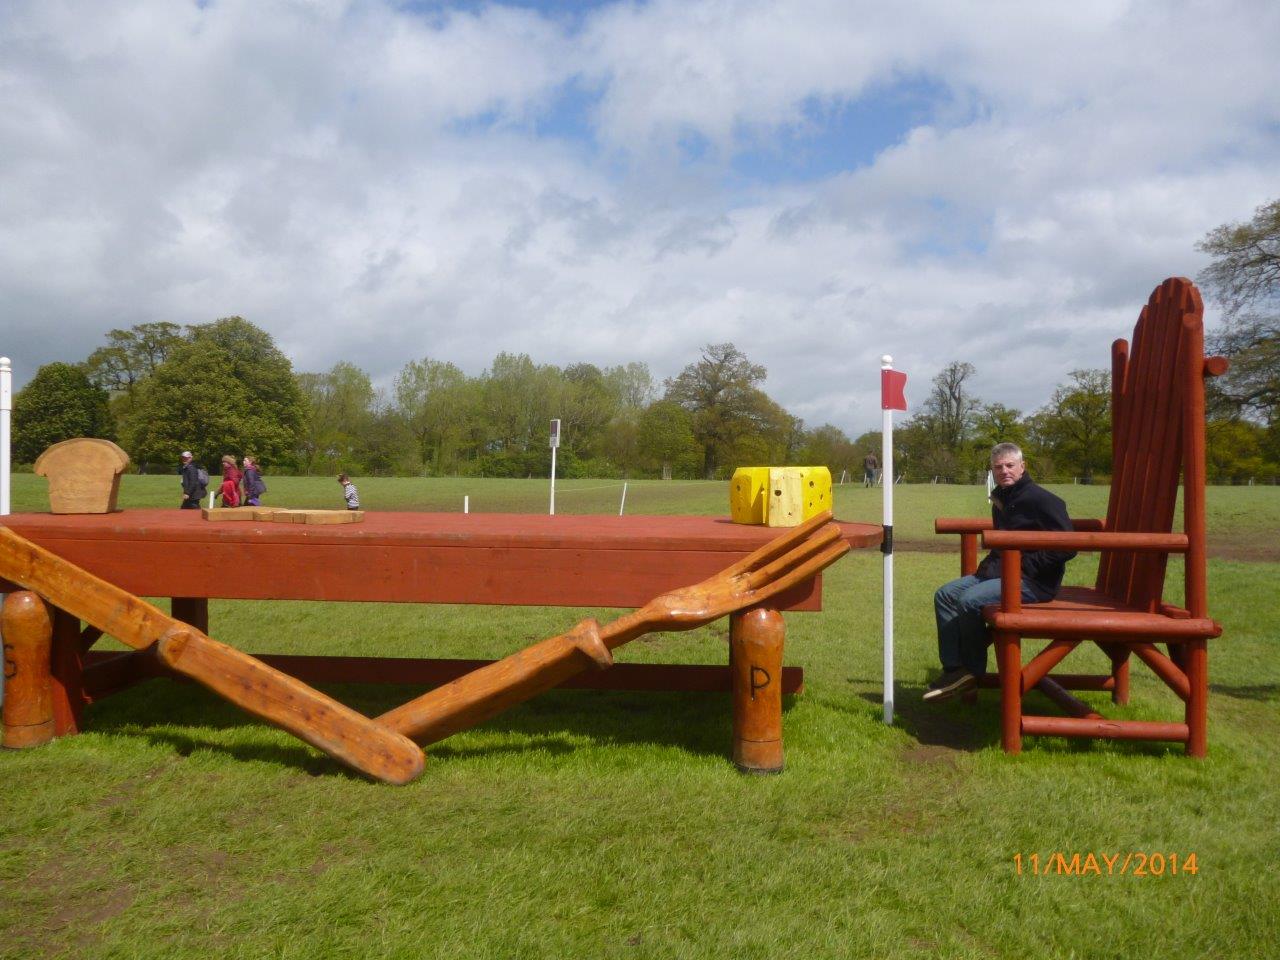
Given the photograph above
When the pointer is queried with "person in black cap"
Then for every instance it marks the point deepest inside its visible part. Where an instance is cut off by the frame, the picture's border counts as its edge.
(194, 485)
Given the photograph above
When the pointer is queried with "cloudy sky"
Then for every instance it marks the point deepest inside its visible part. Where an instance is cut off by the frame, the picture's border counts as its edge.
(819, 182)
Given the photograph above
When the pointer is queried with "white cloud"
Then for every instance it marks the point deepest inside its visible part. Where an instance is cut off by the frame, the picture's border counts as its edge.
(375, 185)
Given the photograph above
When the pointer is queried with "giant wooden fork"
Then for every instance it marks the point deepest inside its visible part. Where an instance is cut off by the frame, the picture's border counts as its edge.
(382, 748)
(779, 565)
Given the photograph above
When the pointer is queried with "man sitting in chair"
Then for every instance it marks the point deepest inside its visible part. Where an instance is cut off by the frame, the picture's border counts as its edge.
(1016, 504)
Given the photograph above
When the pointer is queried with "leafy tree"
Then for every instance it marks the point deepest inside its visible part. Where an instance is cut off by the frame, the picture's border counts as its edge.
(132, 355)
(666, 436)
(1244, 277)
(433, 400)
(994, 423)
(829, 446)
(632, 385)
(339, 406)
(936, 438)
(586, 403)
(59, 403)
(720, 392)
(1246, 267)
(1074, 427)
(517, 402)
(228, 389)
(1236, 451)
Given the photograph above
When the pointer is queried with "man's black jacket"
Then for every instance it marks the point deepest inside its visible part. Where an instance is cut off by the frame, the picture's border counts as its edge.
(1029, 506)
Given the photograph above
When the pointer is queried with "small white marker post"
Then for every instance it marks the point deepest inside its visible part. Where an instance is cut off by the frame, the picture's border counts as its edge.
(555, 443)
(623, 504)
(466, 504)
(6, 409)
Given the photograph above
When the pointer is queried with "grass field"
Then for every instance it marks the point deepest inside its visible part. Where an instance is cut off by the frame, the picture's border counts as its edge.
(595, 824)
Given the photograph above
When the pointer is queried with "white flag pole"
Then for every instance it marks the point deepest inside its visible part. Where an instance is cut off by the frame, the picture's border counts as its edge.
(886, 462)
(6, 408)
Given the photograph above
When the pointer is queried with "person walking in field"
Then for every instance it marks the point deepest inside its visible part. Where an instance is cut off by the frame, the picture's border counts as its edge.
(252, 483)
(230, 489)
(870, 464)
(194, 486)
(349, 492)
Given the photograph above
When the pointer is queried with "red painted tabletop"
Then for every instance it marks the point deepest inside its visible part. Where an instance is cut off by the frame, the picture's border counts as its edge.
(412, 557)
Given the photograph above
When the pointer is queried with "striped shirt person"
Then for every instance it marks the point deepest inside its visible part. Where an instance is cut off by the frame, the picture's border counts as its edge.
(349, 491)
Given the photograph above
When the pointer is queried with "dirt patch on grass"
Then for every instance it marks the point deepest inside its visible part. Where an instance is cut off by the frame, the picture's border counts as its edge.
(931, 755)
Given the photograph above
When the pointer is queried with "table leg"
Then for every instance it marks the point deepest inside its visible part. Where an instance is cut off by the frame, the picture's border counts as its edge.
(755, 663)
(68, 673)
(28, 686)
(193, 611)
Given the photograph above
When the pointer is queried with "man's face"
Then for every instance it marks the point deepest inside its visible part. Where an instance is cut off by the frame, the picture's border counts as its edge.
(1008, 470)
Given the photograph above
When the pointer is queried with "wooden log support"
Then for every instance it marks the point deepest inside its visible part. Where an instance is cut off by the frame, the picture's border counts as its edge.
(67, 661)
(1077, 708)
(1104, 729)
(1009, 659)
(27, 629)
(484, 693)
(1197, 712)
(756, 639)
(306, 713)
(191, 610)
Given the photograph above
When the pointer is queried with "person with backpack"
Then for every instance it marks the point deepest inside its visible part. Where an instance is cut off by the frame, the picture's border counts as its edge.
(195, 482)
(254, 487)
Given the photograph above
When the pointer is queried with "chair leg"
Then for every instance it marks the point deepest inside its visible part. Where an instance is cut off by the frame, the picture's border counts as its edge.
(1009, 658)
(1120, 674)
(1196, 664)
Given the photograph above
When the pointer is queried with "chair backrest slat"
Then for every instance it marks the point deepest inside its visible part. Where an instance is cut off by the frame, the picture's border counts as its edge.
(1148, 409)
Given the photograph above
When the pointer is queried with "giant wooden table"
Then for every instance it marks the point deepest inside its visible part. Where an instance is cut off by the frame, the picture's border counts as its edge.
(570, 561)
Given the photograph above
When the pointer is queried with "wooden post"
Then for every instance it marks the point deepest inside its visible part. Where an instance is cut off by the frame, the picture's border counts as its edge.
(68, 674)
(1009, 653)
(1009, 658)
(755, 663)
(193, 611)
(28, 686)
(1197, 664)
(1120, 673)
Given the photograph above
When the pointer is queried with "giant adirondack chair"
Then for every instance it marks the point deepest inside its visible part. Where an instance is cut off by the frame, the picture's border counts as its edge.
(1157, 435)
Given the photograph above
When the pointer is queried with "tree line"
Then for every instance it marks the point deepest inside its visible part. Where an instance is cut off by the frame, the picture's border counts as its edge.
(224, 387)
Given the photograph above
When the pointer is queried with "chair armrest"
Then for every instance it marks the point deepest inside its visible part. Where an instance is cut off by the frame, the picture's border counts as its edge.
(979, 524)
(961, 524)
(1063, 540)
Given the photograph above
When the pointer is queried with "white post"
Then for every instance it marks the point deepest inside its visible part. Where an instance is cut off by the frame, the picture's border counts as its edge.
(6, 408)
(555, 442)
(623, 504)
(466, 503)
(886, 470)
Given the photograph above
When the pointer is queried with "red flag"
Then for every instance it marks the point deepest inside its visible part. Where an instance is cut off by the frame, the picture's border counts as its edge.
(892, 385)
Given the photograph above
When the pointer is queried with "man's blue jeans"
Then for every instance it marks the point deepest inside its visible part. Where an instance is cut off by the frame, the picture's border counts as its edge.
(962, 633)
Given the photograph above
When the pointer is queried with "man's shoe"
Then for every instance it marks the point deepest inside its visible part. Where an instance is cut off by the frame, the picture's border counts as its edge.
(949, 684)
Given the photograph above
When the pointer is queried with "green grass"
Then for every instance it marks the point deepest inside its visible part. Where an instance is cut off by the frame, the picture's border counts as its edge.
(595, 824)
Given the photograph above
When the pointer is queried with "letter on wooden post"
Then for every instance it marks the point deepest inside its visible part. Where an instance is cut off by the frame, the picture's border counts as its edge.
(28, 685)
(755, 658)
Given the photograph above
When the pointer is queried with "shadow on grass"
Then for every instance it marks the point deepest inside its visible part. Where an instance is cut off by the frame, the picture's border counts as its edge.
(698, 723)
(953, 724)
(1261, 691)
(970, 727)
